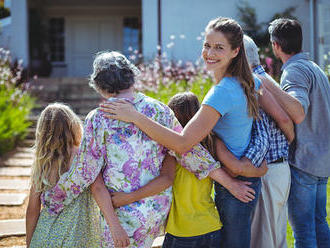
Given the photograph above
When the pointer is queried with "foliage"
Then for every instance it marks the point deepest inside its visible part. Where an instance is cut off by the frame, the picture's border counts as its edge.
(161, 79)
(327, 64)
(15, 104)
(4, 12)
(259, 33)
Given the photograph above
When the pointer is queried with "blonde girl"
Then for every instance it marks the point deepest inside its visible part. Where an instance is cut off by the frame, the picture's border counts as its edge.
(58, 136)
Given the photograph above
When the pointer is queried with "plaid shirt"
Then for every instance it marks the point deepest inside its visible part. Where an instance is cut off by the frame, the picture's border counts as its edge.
(267, 140)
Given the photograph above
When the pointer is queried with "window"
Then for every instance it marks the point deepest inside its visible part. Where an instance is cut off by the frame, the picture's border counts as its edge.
(132, 34)
(56, 39)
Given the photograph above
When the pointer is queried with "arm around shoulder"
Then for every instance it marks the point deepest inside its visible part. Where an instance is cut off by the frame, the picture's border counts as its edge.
(269, 104)
(289, 103)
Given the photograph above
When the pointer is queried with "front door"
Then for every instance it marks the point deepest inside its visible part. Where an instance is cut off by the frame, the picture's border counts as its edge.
(86, 37)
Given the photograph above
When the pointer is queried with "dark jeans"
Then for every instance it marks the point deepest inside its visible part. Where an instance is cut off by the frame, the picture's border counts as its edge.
(208, 240)
(236, 216)
(307, 210)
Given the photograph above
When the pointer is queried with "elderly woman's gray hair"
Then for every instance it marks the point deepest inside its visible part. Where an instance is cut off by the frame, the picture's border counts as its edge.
(251, 51)
(112, 72)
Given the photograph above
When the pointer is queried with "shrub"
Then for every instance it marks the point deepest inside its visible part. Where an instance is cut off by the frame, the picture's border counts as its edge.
(15, 104)
(161, 79)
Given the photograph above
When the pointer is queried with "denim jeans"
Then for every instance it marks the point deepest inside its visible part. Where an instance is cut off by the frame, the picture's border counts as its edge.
(208, 240)
(307, 210)
(236, 216)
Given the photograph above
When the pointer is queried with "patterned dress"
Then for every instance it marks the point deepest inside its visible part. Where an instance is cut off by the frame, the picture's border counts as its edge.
(78, 225)
(128, 160)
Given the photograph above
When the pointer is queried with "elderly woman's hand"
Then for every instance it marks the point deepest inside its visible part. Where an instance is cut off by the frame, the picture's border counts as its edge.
(120, 110)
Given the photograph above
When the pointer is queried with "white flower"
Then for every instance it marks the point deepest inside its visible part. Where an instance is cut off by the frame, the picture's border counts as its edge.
(130, 49)
(199, 38)
(172, 37)
(182, 36)
(170, 45)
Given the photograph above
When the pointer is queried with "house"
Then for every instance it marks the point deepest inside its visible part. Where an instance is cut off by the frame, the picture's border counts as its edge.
(63, 35)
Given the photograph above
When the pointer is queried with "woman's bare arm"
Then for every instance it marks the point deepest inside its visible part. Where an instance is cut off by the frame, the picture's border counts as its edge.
(32, 214)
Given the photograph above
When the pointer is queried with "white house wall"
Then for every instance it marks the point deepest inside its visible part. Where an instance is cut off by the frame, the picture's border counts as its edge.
(189, 18)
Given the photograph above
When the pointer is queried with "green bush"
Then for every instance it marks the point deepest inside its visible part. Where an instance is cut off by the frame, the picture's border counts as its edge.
(162, 79)
(199, 87)
(15, 105)
(4, 12)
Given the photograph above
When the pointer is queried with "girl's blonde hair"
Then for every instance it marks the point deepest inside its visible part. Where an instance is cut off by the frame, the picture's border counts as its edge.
(59, 129)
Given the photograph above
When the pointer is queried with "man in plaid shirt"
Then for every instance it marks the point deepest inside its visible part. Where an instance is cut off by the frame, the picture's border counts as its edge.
(268, 143)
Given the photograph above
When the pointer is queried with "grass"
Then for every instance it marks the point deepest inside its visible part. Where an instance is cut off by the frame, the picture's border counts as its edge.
(290, 239)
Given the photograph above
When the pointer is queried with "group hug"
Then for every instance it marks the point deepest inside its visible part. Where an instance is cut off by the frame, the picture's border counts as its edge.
(137, 168)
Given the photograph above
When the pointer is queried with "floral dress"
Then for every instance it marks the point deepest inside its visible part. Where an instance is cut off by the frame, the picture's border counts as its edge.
(128, 159)
(78, 225)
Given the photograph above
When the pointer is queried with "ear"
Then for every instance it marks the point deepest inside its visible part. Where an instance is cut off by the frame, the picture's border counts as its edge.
(235, 52)
(276, 45)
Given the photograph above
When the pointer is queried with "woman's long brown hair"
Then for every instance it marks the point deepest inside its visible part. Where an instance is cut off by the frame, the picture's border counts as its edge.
(239, 66)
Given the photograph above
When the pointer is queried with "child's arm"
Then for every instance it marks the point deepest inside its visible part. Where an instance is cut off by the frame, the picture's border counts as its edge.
(155, 186)
(103, 200)
(32, 214)
(243, 167)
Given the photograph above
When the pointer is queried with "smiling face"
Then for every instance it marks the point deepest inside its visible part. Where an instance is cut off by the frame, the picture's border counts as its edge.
(217, 53)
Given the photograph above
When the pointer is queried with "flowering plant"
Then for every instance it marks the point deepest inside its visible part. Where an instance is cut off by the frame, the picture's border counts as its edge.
(161, 78)
(15, 103)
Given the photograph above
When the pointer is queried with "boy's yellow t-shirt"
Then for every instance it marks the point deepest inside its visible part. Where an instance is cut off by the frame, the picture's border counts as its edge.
(193, 211)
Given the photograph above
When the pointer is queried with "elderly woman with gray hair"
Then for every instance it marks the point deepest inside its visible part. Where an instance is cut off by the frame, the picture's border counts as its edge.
(125, 159)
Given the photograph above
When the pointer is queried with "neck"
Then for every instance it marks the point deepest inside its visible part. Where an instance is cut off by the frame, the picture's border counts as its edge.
(285, 57)
(128, 93)
(219, 74)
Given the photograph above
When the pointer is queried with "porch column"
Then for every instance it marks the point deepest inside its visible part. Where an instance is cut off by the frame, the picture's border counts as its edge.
(149, 28)
(19, 30)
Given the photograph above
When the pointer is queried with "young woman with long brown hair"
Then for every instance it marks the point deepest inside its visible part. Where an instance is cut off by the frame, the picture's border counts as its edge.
(228, 109)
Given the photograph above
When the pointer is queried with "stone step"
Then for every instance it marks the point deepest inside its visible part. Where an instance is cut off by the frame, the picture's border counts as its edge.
(31, 131)
(13, 227)
(24, 149)
(15, 171)
(76, 105)
(27, 142)
(18, 162)
(20, 246)
(22, 155)
(12, 199)
(33, 119)
(17, 184)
